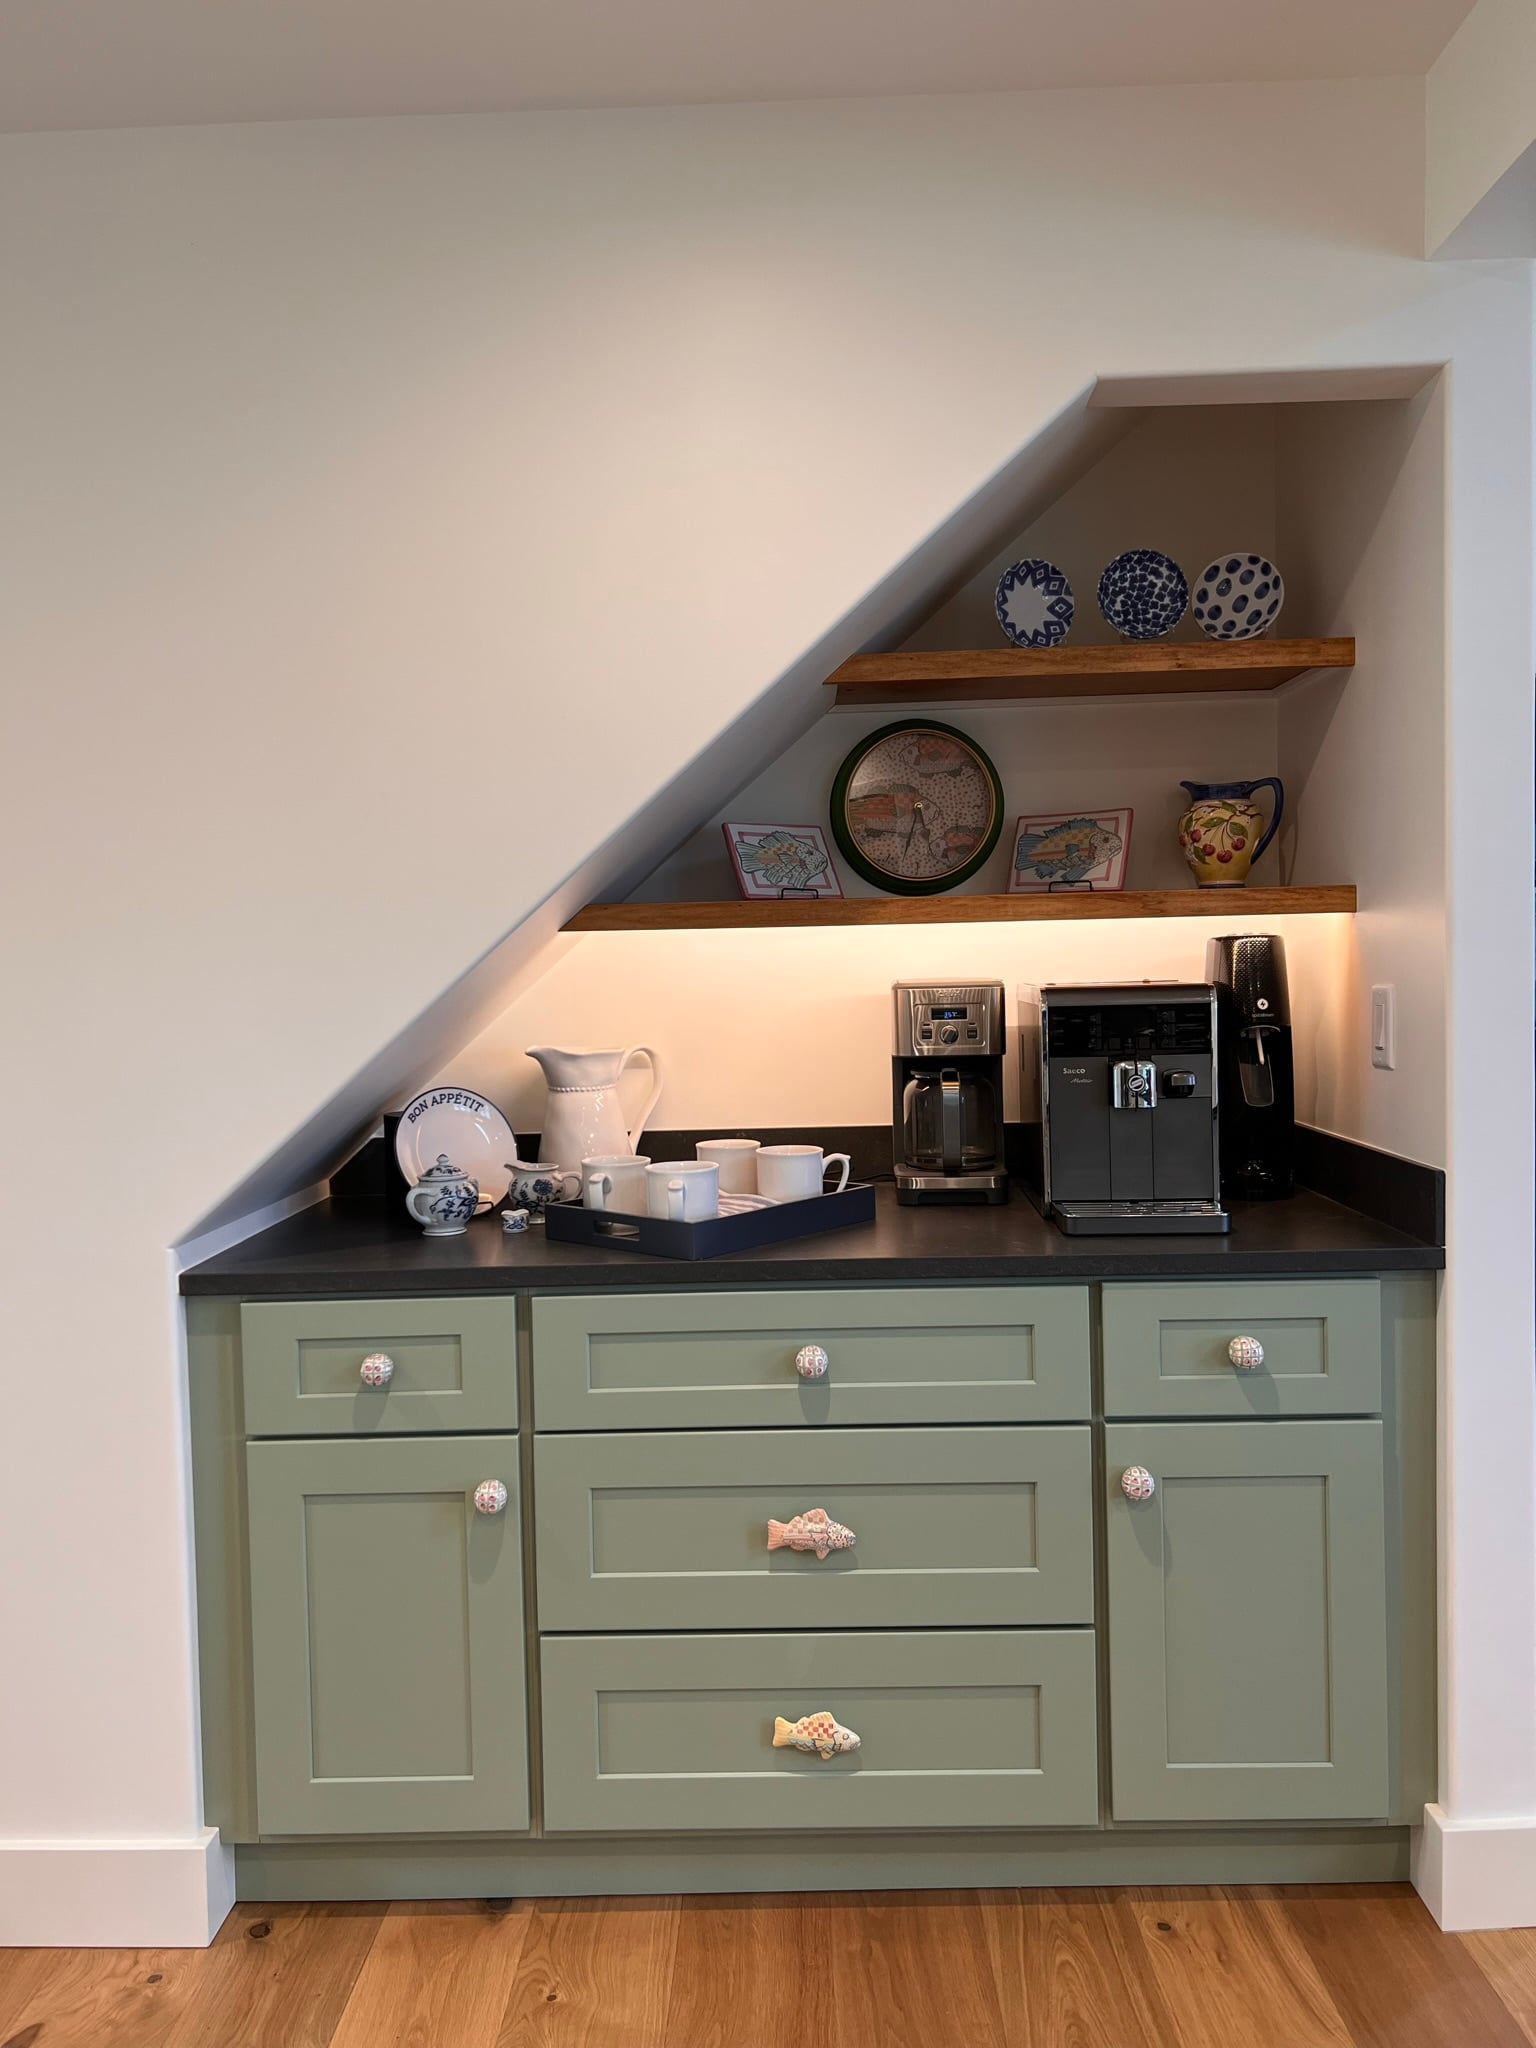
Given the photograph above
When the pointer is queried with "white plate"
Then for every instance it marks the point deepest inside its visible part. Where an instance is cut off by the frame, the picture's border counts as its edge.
(473, 1132)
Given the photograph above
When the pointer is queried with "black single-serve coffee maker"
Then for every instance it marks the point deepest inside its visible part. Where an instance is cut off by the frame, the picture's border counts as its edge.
(1256, 1066)
(947, 1092)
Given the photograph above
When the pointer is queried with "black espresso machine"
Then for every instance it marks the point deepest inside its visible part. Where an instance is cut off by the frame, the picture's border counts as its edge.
(1122, 1080)
(947, 1091)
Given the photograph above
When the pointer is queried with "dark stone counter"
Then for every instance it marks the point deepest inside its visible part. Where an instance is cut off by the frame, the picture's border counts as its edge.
(341, 1249)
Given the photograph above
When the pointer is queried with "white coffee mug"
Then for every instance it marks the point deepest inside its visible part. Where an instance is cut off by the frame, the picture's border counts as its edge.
(737, 1161)
(793, 1173)
(683, 1190)
(615, 1181)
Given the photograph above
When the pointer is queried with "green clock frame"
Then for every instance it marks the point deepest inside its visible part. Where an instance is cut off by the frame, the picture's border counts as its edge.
(900, 885)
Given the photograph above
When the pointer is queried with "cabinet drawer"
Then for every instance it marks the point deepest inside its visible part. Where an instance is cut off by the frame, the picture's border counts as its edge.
(386, 1638)
(918, 1354)
(455, 1366)
(1165, 1348)
(957, 1730)
(972, 1526)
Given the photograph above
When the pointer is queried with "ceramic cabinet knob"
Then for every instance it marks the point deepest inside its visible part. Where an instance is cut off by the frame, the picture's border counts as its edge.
(1137, 1483)
(377, 1369)
(811, 1362)
(1246, 1353)
(490, 1496)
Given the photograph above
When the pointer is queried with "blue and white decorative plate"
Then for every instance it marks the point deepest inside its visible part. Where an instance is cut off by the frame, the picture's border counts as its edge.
(1143, 594)
(1035, 604)
(1239, 596)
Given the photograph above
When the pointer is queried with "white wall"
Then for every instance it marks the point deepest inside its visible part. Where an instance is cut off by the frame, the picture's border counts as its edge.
(1362, 535)
(1480, 136)
(392, 509)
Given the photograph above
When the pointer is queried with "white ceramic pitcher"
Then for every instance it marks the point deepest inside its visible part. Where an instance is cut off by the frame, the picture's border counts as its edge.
(584, 1117)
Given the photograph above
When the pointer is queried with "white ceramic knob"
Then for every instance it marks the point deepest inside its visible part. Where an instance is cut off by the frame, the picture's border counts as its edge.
(1137, 1483)
(811, 1362)
(490, 1496)
(377, 1369)
(1246, 1353)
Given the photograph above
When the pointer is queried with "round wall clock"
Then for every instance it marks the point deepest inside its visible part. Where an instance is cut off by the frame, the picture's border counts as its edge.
(916, 808)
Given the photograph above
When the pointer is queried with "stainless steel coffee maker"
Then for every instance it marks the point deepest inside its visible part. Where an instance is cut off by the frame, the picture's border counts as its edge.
(947, 1091)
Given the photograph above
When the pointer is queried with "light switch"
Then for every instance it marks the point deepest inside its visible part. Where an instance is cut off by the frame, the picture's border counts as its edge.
(1384, 1026)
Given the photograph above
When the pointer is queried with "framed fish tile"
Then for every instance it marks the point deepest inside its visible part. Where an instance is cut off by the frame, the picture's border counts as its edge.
(1061, 850)
(782, 860)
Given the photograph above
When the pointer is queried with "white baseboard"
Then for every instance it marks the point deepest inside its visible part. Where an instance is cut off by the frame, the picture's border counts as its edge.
(125, 1894)
(1476, 1873)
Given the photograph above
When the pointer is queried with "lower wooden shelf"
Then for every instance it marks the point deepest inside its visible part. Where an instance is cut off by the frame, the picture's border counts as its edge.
(1237, 906)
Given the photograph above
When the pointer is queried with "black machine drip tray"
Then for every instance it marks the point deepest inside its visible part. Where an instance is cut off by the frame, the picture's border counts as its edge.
(1134, 1219)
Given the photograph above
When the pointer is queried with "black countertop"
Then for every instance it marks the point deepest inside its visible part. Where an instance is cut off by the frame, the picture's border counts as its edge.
(336, 1249)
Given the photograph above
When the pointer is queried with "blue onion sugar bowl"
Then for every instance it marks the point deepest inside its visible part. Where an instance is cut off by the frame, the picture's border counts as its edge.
(1143, 594)
(1238, 596)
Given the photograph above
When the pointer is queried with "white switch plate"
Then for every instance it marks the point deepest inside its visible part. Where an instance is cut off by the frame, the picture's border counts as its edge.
(1384, 1025)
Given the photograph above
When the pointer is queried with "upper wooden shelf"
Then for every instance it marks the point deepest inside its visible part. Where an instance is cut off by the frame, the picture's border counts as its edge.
(1237, 906)
(1131, 668)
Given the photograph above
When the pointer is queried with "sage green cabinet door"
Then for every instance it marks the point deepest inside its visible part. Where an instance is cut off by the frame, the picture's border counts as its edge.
(386, 1638)
(454, 1366)
(670, 1734)
(976, 1527)
(1247, 1622)
(895, 1354)
(1166, 1347)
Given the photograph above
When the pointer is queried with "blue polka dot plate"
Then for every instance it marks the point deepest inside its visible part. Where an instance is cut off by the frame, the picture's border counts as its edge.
(1238, 596)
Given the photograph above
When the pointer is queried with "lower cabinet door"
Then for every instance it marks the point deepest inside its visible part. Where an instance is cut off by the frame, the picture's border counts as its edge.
(957, 1729)
(387, 1637)
(1247, 1622)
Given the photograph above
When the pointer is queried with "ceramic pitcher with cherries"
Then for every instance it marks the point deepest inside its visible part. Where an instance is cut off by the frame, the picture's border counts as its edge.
(1223, 831)
(584, 1118)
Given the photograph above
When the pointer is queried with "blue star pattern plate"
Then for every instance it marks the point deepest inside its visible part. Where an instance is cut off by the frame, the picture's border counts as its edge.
(1239, 596)
(1143, 594)
(1035, 604)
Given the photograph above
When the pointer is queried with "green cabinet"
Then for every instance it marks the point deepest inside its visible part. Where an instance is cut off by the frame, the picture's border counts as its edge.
(1247, 1622)
(957, 1729)
(448, 1365)
(386, 1637)
(1315, 1348)
(894, 1354)
(974, 1527)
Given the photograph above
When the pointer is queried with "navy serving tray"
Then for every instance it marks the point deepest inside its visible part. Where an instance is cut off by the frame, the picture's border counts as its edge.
(569, 1223)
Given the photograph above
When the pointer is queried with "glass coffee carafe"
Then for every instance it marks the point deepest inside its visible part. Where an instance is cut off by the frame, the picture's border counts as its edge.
(949, 1122)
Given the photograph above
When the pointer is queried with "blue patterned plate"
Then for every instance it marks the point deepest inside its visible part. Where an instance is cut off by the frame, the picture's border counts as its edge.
(1239, 596)
(1143, 594)
(1035, 604)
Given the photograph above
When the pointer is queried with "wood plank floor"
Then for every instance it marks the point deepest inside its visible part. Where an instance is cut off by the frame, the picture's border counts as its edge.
(1359, 1966)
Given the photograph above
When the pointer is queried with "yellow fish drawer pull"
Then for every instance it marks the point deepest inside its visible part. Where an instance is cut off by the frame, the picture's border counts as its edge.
(817, 1733)
(814, 1530)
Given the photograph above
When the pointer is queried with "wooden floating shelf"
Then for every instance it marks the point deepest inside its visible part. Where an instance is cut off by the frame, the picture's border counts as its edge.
(1148, 668)
(1237, 906)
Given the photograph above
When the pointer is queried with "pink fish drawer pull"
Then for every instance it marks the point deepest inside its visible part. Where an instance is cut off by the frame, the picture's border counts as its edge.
(817, 1733)
(814, 1530)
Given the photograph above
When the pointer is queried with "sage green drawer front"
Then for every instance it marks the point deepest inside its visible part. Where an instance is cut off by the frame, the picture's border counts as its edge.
(1165, 1347)
(958, 1730)
(386, 1638)
(455, 1366)
(954, 1526)
(1247, 1622)
(720, 1361)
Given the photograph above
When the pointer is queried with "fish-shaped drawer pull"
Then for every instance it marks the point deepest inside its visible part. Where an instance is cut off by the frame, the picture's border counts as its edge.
(814, 1530)
(814, 1733)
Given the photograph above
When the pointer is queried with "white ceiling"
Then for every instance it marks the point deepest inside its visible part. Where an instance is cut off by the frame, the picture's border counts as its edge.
(128, 63)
